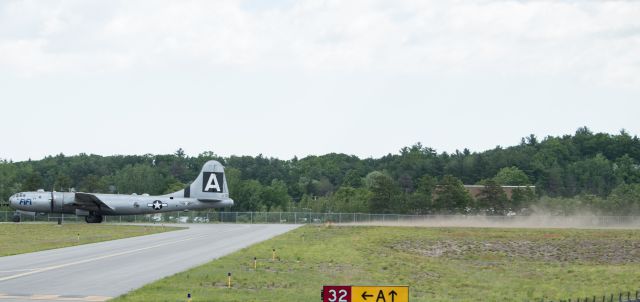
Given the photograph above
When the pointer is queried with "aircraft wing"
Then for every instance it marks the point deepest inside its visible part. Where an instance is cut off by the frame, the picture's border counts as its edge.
(88, 201)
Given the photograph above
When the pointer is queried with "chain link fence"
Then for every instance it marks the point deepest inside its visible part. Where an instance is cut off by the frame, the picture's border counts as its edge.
(620, 297)
(346, 218)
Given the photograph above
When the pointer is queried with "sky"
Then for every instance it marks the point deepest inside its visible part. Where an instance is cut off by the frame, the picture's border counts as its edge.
(309, 77)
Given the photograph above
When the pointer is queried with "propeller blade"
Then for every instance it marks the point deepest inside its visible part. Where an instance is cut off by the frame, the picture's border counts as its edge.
(52, 200)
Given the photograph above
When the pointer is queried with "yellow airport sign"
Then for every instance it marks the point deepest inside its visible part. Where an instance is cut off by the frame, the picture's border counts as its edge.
(380, 294)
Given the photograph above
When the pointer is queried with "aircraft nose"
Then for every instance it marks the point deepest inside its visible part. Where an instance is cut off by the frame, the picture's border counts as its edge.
(13, 201)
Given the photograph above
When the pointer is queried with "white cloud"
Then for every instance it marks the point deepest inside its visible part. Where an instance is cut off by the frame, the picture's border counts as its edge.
(595, 41)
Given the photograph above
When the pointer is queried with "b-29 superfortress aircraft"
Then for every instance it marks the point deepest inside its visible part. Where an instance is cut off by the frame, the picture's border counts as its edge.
(209, 190)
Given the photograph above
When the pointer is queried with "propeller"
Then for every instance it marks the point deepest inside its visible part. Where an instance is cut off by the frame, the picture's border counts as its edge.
(52, 199)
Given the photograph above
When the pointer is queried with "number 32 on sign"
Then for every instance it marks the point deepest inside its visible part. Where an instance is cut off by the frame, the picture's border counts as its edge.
(365, 294)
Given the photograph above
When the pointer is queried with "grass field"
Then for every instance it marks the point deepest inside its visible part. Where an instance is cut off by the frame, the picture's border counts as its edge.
(18, 238)
(439, 264)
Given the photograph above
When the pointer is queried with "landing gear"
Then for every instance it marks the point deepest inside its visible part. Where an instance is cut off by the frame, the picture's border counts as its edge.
(15, 218)
(93, 218)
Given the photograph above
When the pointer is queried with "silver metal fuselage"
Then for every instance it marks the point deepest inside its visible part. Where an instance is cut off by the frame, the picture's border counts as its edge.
(118, 204)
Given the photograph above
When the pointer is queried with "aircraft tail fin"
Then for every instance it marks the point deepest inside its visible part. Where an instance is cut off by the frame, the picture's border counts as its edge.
(211, 184)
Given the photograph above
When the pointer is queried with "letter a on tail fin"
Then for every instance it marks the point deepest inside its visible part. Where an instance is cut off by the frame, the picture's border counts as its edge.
(213, 181)
(211, 184)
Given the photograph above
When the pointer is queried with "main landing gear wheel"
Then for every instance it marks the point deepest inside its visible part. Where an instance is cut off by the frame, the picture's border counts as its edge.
(15, 218)
(93, 219)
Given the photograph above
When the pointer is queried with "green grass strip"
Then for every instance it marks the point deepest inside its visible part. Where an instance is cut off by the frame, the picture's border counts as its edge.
(18, 238)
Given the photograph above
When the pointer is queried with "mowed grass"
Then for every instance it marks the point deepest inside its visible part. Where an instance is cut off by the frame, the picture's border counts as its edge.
(18, 238)
(439, 264)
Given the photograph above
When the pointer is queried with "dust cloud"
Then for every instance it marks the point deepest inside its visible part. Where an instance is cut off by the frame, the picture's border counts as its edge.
(532, 221)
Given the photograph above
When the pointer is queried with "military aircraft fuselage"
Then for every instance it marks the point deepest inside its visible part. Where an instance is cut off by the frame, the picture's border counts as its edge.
(118, 204)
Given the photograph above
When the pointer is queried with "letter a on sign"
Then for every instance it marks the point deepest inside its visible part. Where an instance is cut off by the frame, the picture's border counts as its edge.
(379, 294)
(212, 183)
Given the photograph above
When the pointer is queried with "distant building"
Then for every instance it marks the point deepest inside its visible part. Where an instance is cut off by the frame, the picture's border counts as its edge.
(475, 190)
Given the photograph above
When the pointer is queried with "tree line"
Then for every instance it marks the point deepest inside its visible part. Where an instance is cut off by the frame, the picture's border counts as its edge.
(586, 171)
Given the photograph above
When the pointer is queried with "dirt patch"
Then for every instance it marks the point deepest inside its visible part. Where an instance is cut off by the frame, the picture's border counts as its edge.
(567, 250)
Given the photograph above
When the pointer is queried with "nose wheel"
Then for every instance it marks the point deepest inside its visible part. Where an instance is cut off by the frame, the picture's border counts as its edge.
(15, 218)
(93, 219)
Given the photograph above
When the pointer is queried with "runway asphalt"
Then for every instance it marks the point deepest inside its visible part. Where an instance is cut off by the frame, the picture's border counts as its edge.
(99, 271)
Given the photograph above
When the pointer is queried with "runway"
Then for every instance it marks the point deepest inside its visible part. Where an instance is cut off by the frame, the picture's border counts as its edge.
(99, 271)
